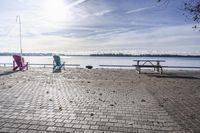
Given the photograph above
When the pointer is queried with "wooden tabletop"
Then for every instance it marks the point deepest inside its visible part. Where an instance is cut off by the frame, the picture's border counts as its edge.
(150, 60)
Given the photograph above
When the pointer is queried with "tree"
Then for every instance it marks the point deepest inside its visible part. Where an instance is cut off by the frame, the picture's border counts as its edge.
(191, 10)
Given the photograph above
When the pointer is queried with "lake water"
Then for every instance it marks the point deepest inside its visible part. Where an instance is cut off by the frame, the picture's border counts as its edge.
(96, 61)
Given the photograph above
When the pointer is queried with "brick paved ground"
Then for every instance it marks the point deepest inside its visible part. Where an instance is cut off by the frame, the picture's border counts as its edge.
(93, 101)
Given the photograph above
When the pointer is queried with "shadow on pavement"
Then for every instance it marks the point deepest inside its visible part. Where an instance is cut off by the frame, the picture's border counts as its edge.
(172, 76)
(7, 73)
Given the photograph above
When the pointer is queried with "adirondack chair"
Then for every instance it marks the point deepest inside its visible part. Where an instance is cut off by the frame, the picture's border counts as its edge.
(20, 63)
(57, 65)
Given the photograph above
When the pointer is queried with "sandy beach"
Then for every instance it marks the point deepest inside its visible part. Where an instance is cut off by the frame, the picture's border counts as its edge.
(99, 100)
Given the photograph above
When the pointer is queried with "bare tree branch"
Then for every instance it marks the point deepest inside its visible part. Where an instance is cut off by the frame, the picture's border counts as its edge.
(191, 9)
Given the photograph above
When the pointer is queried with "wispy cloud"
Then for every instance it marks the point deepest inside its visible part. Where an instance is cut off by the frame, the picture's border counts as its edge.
(102, 13)
(77, 2)
(140, 9)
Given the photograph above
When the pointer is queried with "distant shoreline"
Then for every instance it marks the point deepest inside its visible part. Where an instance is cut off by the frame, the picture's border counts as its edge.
(145, 55)
(104, 55)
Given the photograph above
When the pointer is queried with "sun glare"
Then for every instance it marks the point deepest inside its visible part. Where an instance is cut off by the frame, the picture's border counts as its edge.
(56, 10)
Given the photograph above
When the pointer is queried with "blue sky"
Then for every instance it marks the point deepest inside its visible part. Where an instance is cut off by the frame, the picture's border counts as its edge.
(93, 26)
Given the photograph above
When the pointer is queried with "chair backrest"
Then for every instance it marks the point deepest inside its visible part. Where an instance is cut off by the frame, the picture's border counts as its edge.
(19, 60)
(57, 60)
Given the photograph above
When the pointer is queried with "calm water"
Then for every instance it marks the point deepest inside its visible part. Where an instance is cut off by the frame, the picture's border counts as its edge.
(96, 61)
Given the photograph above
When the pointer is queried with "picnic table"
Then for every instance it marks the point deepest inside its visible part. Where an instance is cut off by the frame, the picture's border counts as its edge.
(149, 64)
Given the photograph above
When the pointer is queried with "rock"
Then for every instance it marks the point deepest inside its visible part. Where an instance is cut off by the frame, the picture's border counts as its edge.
(60, 108)
(112, 105)
(143, 100)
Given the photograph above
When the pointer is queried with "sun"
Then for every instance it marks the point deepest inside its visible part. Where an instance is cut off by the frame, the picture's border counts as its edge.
(56, 11)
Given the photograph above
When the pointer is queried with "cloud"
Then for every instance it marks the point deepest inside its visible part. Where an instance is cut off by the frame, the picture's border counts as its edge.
(77, 2)
(140, 9)
(102, 13)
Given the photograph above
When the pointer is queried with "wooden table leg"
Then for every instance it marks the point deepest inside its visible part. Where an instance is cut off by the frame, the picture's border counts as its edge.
(158, 64)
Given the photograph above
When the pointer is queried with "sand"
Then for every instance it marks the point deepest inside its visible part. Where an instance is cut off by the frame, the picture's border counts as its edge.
(113, 99)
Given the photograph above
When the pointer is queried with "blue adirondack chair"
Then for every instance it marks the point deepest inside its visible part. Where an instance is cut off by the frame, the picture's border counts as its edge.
(57, 65)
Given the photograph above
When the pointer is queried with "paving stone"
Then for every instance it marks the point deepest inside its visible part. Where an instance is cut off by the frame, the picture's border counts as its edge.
(78, 101)
(69, 130)
(88, 131)
(33, 127)
(43, 128)
(24, 126)
(51, 128)
(32, 131)
(22, 131)
(60, 129)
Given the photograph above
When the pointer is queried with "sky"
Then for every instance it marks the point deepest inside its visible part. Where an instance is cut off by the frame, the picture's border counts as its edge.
(97, 26)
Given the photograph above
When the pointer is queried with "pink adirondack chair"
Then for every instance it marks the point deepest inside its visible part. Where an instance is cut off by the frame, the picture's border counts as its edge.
(20, 63)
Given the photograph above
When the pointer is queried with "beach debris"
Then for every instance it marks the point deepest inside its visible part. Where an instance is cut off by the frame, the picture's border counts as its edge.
(87, 91)
(112, 105)
(10, 86)
(41, 107)
(60, 108)
(165, 99)
(143, 100)
(113, 91)
(50, 99)
(88, 82)
(91, 114)
(133, 102)
(89, 67)
(161, 105)
(193, 116)
(100, 94)
(47, 92)
(101, 100)
(71, 101)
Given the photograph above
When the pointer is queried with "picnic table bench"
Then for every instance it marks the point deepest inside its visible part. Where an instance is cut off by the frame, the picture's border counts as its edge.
(149, 64)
